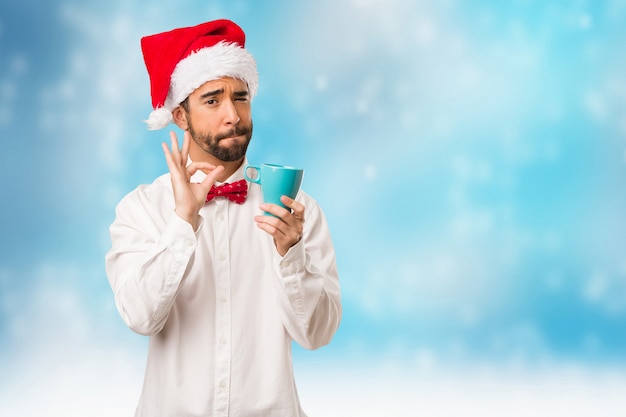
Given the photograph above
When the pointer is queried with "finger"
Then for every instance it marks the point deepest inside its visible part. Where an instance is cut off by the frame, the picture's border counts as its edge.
(276, 210)
(211, 177)
(296, 207)
(168, 156)
(193, 167)
(275, 222)
(214, 173)
(284, 237)
(186, 144)
(178, 176)
(175, 151)
(271, 225)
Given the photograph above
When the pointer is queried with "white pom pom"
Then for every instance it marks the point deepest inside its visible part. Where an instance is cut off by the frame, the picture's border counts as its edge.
(159, 119)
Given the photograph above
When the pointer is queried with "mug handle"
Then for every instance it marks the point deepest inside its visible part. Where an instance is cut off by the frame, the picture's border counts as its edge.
(257, 179)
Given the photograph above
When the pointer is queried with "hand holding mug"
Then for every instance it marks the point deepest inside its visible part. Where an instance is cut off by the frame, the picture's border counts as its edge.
(276, 181)
(284, 215)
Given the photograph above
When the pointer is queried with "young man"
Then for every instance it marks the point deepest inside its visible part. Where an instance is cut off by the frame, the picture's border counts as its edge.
(221, 289)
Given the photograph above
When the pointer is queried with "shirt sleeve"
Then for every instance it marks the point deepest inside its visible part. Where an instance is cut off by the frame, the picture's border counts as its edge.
(146, 264)
(308, 283)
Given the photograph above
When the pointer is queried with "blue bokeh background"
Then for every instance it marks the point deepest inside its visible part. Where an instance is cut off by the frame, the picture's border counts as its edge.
(470, 158)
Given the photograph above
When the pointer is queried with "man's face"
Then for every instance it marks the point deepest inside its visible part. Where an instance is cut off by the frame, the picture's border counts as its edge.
(219, 118)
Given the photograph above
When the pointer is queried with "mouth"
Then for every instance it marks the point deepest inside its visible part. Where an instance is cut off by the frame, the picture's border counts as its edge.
(233, 134)
(230, 138)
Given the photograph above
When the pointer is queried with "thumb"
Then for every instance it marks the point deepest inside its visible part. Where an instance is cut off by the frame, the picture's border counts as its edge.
(211, 177)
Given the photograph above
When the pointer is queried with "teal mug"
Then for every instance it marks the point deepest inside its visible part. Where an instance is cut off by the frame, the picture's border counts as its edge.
(275, 181)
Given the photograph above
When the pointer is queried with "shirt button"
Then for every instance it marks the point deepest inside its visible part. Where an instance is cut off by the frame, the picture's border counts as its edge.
(223, 299)
(223, 341)
(220, 218)
(222, 383)
(222, 257)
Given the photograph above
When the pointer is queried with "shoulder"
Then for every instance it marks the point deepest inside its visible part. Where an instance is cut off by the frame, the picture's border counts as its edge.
(312, 209)
(306, 199)
(148, 196)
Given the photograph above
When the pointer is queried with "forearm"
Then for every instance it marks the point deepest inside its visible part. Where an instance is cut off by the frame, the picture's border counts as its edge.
(312, 309)
(308, 286)
(145, 272)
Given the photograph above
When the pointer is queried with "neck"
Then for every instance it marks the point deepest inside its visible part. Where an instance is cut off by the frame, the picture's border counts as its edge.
(198, 155)
(229, 168)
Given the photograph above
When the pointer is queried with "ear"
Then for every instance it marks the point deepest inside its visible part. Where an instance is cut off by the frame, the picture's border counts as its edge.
(180, 117)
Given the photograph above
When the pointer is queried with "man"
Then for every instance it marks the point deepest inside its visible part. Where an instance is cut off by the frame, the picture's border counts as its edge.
(220, 288)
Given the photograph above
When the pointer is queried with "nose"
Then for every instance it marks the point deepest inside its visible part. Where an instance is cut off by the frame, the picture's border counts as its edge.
(231, 116)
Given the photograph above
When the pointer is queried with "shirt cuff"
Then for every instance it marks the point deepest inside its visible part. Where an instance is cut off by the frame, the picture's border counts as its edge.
(179, 235)
(293, 261)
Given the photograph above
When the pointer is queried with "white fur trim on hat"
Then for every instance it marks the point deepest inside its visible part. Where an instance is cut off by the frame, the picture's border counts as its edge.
(206, 64)
(159, 118)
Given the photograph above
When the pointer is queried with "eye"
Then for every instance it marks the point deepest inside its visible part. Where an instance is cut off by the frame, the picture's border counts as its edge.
(211, 101)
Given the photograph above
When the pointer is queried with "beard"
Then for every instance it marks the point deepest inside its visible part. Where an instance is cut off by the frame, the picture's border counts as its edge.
(211, 143)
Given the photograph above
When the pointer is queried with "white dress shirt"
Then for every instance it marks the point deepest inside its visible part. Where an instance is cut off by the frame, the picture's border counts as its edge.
(220, 305)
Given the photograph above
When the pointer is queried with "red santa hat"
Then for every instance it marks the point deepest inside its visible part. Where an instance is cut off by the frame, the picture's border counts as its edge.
(181, 60)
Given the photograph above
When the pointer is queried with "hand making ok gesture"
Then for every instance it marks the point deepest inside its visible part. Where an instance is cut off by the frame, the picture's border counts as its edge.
(189, 197)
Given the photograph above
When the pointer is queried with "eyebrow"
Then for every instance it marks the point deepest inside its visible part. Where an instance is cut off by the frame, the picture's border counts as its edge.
(242, 93)
(212, 93)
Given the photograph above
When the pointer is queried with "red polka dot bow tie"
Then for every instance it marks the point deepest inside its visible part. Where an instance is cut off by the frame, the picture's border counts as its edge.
(235, 192)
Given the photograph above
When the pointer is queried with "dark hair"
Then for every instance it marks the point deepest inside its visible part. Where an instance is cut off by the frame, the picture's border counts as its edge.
(185, 105)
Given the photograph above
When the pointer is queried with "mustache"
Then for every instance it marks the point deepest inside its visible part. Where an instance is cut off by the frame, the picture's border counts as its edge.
(236, 131)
